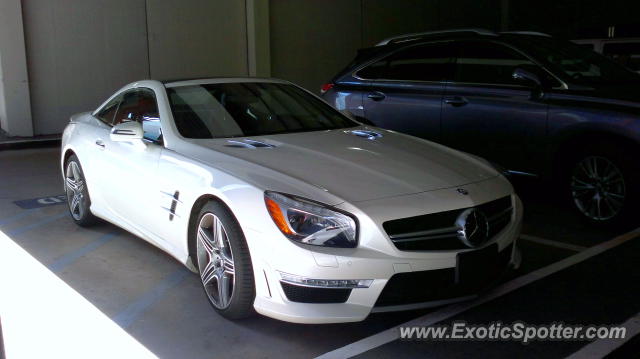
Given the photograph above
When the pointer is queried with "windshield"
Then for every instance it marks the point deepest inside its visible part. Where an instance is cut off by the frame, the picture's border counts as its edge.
(581, 65)
(250, 109)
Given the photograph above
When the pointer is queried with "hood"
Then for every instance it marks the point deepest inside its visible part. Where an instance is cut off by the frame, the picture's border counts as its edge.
(355, 168)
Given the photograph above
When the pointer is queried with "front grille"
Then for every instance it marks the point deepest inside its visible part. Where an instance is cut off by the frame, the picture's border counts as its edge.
(437, 231)
(302, 294)
(447, 283)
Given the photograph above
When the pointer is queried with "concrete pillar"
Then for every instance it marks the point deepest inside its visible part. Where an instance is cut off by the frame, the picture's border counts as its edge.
(15, 102)
(258, 44)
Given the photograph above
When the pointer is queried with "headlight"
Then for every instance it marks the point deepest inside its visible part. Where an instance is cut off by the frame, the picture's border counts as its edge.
(309, 222)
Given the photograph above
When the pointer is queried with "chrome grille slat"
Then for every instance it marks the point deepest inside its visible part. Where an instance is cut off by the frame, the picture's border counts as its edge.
(437, 231)
(500, 214)
(413, 239)
(423, 233)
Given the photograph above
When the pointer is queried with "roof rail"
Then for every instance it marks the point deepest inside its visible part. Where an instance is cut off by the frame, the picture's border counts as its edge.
(417, 35)
(534, 33)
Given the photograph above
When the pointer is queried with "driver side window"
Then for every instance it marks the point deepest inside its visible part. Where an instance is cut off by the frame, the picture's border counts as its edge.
(140, 105)
(484, 62)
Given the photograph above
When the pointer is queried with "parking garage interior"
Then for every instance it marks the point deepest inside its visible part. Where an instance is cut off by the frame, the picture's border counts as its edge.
(69, 291)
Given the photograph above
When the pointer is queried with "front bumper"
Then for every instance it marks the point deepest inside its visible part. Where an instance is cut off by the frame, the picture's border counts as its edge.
(366, 262)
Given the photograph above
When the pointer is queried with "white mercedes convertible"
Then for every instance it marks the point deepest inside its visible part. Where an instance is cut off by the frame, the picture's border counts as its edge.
(286, 206)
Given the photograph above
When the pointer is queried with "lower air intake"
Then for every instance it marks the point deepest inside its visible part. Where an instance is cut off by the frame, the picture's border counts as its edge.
(302, 294)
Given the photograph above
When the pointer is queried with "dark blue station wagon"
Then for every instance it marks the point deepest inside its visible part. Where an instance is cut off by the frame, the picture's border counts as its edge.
(533, 104)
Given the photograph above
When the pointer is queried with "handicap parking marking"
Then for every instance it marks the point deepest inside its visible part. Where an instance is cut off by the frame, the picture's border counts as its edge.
(16, 217)
(131, 313)
(70, 257)
(36, 224)
(33, 203)
(392, 334)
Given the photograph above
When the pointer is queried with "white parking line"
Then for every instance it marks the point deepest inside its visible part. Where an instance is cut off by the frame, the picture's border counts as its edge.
(393, 333)
(548, 242)
(601, 347)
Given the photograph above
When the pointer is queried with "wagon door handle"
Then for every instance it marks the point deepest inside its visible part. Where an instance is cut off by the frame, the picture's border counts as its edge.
(100, 144)
(376, 96)
(456, 101)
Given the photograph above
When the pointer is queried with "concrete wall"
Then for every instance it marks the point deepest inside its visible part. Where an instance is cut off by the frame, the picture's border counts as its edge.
(197, 38)
(312, 40)
(382, 18)
(78, 53)
(14, 88)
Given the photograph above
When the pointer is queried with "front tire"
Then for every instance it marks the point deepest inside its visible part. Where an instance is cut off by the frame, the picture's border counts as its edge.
(78, 200)
(223, 261)
(602, 184)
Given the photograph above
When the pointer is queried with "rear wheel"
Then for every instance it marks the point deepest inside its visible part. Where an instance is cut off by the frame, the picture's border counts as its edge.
(78, 200)
(603, 184)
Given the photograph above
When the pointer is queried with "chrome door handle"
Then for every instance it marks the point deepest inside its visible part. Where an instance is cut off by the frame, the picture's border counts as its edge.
(456, 101)
(376, 96)
(100, 144)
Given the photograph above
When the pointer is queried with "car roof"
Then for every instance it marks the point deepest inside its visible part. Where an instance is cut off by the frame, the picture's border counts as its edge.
(398, 42)
(453, 34)
(217, 80)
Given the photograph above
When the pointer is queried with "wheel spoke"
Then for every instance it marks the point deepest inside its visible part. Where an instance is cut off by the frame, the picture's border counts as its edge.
(71, 184)
(208, 273)
(224, 292)
(205, 240)
(75, 203)
(75, 170)
(583, 186)
(586, 168)
(229, 267)
(594, 166)
(218, 233)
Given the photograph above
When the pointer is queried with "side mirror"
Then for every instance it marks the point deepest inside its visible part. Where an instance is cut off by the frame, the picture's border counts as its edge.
(531, 79)
(521, 74)
(130, 131)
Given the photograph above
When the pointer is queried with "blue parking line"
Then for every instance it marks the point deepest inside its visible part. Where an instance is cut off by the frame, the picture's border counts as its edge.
(36, 224)
(129, 315)
(16, 217)
(71, 257)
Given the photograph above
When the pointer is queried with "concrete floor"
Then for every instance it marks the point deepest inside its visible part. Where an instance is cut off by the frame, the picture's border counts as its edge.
(161, 304)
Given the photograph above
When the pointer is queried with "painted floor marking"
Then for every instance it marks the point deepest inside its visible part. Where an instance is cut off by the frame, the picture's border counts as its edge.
(129, 315)
(16, 217)
(36, 224)
(557, 244)
(41, 202)
(68, 258)
(601, 347)
(393, 333)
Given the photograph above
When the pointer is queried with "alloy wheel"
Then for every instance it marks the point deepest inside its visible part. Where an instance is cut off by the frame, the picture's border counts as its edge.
(215, 261)
(598, 188)
(75, 190)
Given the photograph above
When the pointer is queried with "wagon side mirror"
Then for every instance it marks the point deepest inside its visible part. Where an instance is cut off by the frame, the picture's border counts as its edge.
(529, 79)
